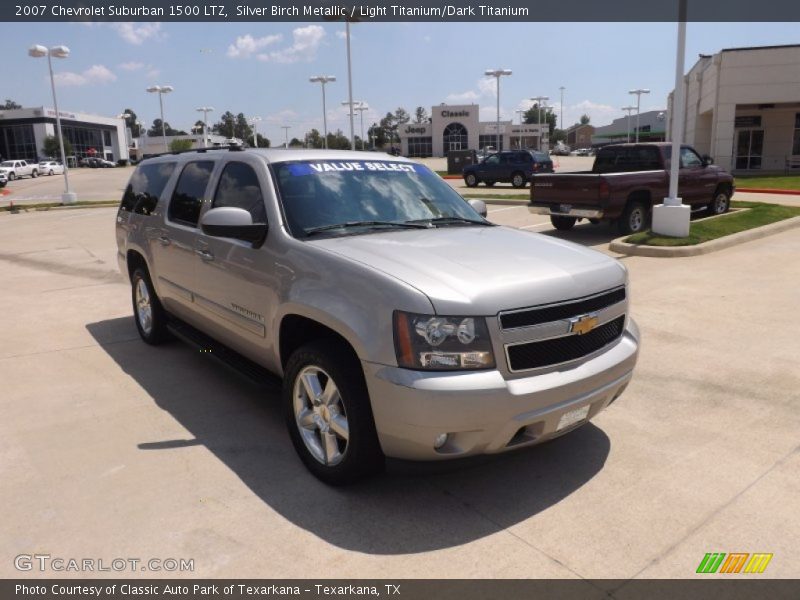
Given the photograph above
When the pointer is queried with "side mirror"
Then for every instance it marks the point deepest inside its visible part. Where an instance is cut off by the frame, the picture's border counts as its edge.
(234, 223)
(479, 206)
(707, 160)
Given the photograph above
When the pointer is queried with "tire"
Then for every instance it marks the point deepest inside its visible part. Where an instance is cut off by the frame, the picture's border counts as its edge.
(11, 176)
(563, 223)
(338, 442)
(51, 172)
(518, 180)
(471, 180)
(34, 174)
(149, 315)
(489, 183)
(720, 204)
(634, 219)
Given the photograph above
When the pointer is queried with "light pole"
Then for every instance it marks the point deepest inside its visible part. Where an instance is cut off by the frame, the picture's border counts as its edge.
(360, 106)
(205, 110)
(142, 139)
(323, 79)
(497, 74)
(629, 109)
(547, 123)
(561, 110)
(350, 85)
(161, 90)
(39, 51)
(520, 112)
(539, 100)
(286, 129)
(254, 121)
(638, 92)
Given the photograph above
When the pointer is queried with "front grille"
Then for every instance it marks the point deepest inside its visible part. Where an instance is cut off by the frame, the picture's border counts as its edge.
(558, 312)
(533, 355)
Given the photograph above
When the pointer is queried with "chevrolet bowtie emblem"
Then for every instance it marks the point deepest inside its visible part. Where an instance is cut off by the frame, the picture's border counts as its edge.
(583, 324)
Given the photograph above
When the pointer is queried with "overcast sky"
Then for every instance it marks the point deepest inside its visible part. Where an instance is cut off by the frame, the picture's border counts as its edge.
(263, 68)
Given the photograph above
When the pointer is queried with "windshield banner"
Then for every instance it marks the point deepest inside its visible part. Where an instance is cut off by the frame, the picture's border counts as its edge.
(319, 167)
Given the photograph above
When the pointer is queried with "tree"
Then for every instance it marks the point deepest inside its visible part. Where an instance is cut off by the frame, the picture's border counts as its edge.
(531, 116)
(155, 130)
(261, 141)
(226, 125)
(131, 122)
(314, 139)
(51, 149)
(421, 115)
(401, 116)
(180, 145)
(9, 105)
(585, 119)
(378, 135)
(242, 129)
(338, 141)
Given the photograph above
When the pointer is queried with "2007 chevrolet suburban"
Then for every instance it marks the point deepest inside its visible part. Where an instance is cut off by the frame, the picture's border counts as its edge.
(402, 322)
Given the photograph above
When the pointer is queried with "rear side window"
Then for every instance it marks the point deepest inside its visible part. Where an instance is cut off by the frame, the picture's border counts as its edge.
(187, 199)
(622, 160)
(239, 187)
(145, 188)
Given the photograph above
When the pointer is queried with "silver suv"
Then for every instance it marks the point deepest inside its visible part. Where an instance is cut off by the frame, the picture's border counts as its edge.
(402, 322)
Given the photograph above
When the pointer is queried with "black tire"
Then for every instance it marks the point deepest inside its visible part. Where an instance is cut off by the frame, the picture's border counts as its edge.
(51, 172)
(157, 332)
(489, 183)
(34, 174)
(471, 180)
(563, 223)
(360, 455)
(634, 219)
(720, 204)
(11, 177)
(518, 179)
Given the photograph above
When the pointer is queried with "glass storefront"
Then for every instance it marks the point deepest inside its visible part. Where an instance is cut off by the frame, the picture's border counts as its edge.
(18, 142)
(420, 147)
(455, 137)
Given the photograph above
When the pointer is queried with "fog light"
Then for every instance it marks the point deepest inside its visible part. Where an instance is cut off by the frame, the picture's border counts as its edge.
(440, 441)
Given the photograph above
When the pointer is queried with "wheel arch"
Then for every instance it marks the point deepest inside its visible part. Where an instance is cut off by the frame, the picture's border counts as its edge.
(296, 330)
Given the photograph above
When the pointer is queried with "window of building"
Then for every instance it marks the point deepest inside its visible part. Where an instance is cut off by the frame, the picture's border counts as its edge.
(796, 139)
(145, 188)
(455, 137)
(420, 147)
(239, 187)
(487, 140)
(17, 142)
(83, 139)
(187, 199)
(106, 137)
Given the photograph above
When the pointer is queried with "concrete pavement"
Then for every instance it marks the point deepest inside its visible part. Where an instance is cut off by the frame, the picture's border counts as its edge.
(110, 448)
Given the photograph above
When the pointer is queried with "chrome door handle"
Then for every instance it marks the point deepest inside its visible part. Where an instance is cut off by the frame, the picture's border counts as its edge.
(204, 254)
(164, 240)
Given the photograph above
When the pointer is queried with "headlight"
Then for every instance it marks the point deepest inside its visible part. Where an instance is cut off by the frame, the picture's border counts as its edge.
(437, 343)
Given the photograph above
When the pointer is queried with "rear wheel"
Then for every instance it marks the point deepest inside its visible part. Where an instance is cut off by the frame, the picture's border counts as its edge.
(634, 219)
(563, 223)
(328, 413)
(518, 180)
(50, 172)
(720, 204)
(471, 180)
(150, 316)
(34, 174)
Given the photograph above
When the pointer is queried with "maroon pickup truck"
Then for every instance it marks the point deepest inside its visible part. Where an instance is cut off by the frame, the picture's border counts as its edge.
(624, 184)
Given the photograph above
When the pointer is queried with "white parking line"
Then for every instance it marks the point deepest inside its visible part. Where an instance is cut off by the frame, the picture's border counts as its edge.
(535, 226)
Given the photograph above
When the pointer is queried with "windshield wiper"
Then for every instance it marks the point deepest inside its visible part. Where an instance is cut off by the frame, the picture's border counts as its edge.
(439, 221)
(349, 224)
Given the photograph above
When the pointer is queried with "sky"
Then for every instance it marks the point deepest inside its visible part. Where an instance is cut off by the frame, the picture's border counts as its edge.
(262, 69)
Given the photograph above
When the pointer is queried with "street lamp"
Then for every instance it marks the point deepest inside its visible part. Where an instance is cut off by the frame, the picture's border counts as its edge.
(629, 109)
(323, 79)
(286, 129)
(547, 109)
(39, 51)
(205, 110)
(520, 112)
(360, 106)
(161, 90)
(497, 74)
(638, 92)
(561, 111)
(254, 121)
(539, 100)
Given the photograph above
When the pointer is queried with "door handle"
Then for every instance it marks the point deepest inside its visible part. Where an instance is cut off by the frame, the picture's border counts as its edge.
(204, 254)
(164, 240)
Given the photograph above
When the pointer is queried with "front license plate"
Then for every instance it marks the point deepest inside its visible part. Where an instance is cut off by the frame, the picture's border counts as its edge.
(564, 208)
(572, 417)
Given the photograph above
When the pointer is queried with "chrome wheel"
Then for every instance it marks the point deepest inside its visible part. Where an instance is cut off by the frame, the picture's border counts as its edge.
(144, 309)
(720, 204)
(320, 415)
(636, 219)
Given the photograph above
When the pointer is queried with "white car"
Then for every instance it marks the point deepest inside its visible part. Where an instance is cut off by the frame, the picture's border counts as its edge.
(51, 167)
(14, 169)
(3, 180)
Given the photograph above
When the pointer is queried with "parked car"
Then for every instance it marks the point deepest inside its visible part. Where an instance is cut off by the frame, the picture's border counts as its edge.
(95, 162)
(51, 167)
(402, 322)
(14, 169)
(3, 180)
(513, 166)
(560, 149)
(624, 184)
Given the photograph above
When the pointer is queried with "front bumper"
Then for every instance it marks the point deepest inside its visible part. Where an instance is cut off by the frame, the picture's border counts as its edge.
(482, 412)
(585, 213)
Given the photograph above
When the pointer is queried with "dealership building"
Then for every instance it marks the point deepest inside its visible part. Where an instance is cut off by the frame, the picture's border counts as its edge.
(23, 131)
(457, 127)
(743, 108)
(652, 128)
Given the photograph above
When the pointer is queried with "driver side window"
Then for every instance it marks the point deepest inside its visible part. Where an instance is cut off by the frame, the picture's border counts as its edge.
(494, 159)
(239, 187)
(689, 159)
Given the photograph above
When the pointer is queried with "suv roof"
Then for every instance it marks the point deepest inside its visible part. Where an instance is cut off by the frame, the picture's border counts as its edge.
(277, 155)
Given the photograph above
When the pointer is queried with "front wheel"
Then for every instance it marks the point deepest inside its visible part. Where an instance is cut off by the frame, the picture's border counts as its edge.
(720, 204)
(328, 413)
(11, 176)
(34, 174)
(563, 223)
(150, 316)
(518, 180)
(50, 172)
(471, 180)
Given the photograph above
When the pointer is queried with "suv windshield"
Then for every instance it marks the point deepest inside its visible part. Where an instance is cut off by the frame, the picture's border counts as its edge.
(357, 196)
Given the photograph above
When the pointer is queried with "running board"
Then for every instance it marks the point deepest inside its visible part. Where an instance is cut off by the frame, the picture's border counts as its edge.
(210, 347)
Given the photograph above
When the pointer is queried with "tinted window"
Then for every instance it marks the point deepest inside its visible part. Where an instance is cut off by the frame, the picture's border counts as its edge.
(493, 160)
(540, 156)
(187, 199)
(239, 187)
(690, 159)
(145, 187)
(620, 160)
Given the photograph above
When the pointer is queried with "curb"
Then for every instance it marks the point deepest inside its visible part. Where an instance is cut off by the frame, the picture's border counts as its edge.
(706, 247)
(20, 208)
(768, 191)
(500, 202)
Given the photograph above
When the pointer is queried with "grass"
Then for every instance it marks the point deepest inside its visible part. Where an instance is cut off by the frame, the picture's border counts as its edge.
(777, 182)
(710, 229)
(49, 205)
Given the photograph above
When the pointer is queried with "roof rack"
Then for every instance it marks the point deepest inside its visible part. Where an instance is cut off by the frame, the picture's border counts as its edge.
(229, 148)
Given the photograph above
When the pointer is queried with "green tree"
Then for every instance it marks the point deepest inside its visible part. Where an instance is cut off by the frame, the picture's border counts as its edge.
(51, 149)
(226, 125)
(378, 135)
(131, 122)
(262, 142)
(338, 141)
(314, 139)
(401, 116)
(180, 145)
(585, 119)
(421, 115)
(531, 116)
(155, 130)
(9, 105)
(242, 129)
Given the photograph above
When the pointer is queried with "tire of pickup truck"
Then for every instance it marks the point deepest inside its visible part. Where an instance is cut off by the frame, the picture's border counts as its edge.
(328, 413)
(11, 176)
(471, 180)
(563, 223)
(149, 315)
(34, 174)
(518, 180)
(720, 204)
(634, 219)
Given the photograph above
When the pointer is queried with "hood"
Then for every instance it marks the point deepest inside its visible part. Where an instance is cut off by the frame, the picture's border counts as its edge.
(483, 270)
